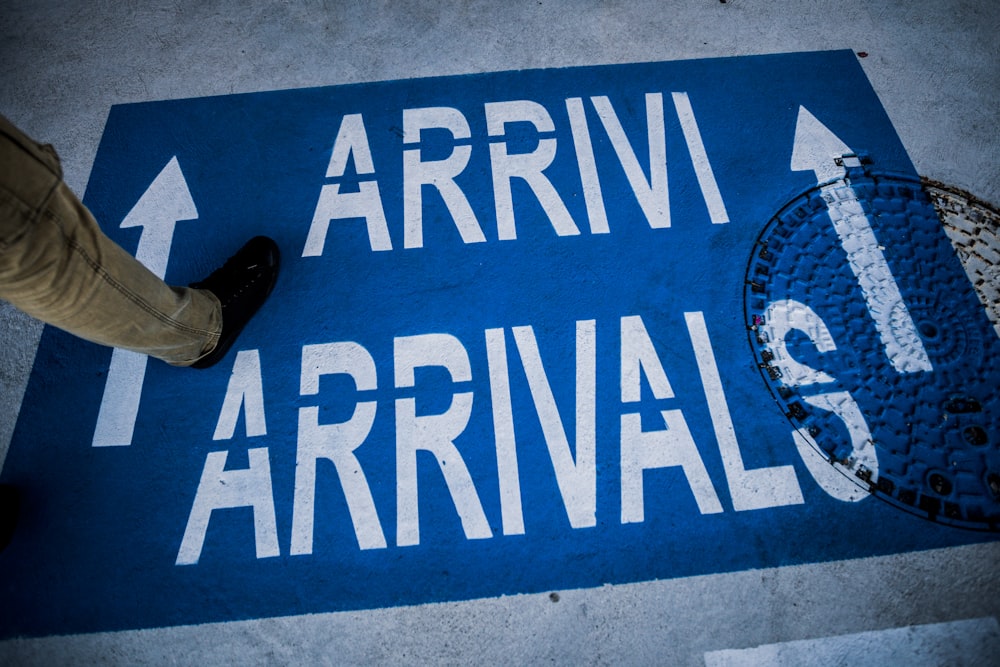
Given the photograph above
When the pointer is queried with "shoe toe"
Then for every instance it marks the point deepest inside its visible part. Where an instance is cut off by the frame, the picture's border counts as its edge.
(242, 285)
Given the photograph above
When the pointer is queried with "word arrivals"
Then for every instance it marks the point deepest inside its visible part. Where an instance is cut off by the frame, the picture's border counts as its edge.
(574, 465)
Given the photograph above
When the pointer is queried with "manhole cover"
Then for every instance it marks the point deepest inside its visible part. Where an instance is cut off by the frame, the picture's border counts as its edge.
(880, 339)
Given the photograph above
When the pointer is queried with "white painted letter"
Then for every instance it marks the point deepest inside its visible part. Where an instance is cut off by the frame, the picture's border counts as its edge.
(435, 434)
(592, 195)
(832, 476)
(225, 489)
(526, 166)
(673, 446)
(503, 429)
(245, 389)
(699, 158)
(336, 443)
(638, 353)
(644, 450)
(365, 203)
(780, 318)
(787, 315)
(652, 194)
(439, 173)
(351, 138)
(334, 205)
(750, 489)
(577, 480)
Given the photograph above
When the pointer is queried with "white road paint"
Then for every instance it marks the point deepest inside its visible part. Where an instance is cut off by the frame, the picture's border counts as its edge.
(666, 622)
(166, 202)
(815, 148)
(972, 642)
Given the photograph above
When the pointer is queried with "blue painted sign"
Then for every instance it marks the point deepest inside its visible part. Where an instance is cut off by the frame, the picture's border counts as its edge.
(508, 351)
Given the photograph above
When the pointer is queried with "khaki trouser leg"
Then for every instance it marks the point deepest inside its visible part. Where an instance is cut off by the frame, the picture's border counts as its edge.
(57, 265)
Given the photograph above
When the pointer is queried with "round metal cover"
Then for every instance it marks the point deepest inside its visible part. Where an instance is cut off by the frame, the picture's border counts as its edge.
(879, 336)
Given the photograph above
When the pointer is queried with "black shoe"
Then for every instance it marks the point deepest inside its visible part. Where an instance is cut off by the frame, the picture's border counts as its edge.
(10, 503)
(242, 285)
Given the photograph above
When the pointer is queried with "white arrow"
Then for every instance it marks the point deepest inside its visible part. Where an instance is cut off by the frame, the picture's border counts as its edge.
(166, 202)
(816, 149)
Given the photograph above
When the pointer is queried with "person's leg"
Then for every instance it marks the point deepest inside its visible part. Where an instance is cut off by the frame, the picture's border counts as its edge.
(57, 265)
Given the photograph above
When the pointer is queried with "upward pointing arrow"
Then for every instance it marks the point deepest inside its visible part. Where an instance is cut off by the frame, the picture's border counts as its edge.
(815, 148)
(166, 202)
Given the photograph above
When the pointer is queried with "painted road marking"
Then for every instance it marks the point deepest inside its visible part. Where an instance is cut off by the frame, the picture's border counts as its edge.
(922, 441)
(815, 148)
(166, 202)
(969, 642)
(507, 352)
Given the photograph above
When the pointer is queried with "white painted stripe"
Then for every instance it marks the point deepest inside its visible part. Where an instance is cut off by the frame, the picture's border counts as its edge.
(970, 642)
(592, 195)
(165, 202)
(653, 195)
(699, 157)
(503, 428)
(892, 319)
(120, 404)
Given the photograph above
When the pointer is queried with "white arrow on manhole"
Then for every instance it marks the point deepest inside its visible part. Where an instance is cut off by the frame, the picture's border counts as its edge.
(816, 149)
(166, 202)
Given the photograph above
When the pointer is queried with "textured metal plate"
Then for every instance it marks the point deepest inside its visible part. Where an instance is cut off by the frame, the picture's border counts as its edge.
(881, 340)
